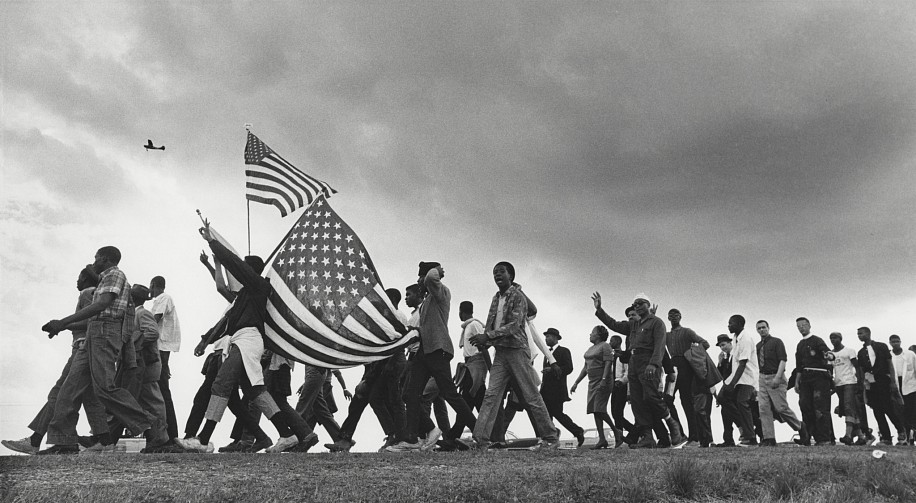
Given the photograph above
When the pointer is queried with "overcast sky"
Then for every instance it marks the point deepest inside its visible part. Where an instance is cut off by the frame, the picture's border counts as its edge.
(747, 157)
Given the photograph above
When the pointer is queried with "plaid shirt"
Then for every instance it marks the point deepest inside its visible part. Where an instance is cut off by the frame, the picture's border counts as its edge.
(511, 331)
(113, 281)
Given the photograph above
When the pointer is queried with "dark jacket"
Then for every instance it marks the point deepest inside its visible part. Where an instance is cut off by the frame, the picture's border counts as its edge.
(880, 368)
(554, 388)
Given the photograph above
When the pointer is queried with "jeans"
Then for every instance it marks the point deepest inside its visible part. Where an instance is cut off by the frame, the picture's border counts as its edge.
(512, 365)
(95, 412)
(814, 401)
(702, 407)
(93, 370)
(770, 399)
(435, 365)
(278, 385)
(685, 388)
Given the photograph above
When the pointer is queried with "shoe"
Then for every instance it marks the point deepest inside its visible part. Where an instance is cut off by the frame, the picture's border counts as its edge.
(23, 445)
(403, 447)
(463, 445)
(645, 442)
(345, 444)
(902, 443)
(194, 445)
(389, 441)
(861, 440)
(256, 446)
(804, 442)
(602, 444)
(166, 448)
(663, 443)
(677, 438)
(825, 443)
(691, 444)
(234, 446)
(430, 441)
(310, 440)
(60, 449)
(747, 443)
(679, 443)
(546, 445)
(580, 439)
(282, 444)
(98, 448)
(86, 441)
(768, 442)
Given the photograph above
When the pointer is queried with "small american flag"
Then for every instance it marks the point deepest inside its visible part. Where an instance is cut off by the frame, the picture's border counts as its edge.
(272, 180)
(327, 306)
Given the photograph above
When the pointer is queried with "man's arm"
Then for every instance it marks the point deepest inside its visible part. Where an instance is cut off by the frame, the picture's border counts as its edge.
(658, 343)
(149, 329)
(736, 375)
(343, 385)
(621, 327)
(54, 327)
(697, 339)
(564, 360)
(236, 266)
(433, 283)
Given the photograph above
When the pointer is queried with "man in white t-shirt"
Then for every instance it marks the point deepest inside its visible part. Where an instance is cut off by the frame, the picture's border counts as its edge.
(846, 384)
(905, 368)
(169, 341)
(739, 389)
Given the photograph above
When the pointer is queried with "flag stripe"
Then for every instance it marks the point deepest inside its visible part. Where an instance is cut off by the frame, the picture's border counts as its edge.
(254, 190)
(271, 177)
(268, 179)
(382, 304)
(282, 299)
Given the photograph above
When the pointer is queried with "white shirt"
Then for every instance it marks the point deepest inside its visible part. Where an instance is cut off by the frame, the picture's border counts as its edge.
(745, 348)
(908, 359)
(469, 328)
(414, 321)
(843, 371)
(169, 328)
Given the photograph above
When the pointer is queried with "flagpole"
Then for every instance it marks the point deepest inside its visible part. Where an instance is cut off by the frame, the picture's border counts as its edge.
(248, 202)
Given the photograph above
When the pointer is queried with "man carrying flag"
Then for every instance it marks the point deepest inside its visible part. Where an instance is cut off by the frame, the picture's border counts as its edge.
(245, 322)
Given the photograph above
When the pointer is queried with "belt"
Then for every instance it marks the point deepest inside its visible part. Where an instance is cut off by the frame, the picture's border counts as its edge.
(815, 370)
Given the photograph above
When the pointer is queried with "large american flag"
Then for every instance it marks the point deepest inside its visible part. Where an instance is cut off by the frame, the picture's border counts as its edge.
(272, 180)
(327, 306)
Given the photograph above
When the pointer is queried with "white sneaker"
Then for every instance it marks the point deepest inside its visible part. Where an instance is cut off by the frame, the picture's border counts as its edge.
(403, 447)
(431, 439)
(283, 443)
(545, 445)
(194, 445)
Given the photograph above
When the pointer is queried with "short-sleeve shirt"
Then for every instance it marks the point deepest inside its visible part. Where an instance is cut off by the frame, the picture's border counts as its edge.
(770, 352)
(169, 328)
(746, 349)
(843, 371)
(113, 281)
(595, 359)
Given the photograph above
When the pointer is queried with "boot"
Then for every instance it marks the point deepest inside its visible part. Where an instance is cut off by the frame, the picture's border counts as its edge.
(677, 438)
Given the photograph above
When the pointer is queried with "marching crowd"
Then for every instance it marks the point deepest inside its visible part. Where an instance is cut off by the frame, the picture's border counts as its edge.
(118, 373)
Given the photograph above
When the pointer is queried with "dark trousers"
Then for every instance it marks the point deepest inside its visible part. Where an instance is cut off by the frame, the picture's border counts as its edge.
(360, 401)
(684, 387)
(814, 401)
(702, 407)
(202, 397)
(164, 377)
(736, 406)
(555, 411)
(435, 365)
(884, 408)
(646, 399)
(618, 404)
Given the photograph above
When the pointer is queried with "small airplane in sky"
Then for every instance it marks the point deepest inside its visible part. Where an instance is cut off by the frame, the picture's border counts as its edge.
(149, 146)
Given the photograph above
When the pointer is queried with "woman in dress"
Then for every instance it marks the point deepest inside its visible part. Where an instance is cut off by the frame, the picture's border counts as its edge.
(599, 367)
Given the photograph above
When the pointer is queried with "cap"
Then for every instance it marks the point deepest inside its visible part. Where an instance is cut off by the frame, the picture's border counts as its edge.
(643, 297)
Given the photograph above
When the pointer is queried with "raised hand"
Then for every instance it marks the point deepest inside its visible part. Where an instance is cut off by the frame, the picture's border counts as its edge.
(596, 299)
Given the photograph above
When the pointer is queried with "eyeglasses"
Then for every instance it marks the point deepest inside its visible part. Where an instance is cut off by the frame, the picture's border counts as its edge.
(639, 302)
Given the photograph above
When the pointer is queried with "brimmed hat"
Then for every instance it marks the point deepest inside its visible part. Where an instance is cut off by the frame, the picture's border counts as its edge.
(554, 332)
(722, 338)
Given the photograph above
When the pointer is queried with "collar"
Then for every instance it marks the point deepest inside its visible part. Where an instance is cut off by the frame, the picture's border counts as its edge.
(467, 322)
(807, 337)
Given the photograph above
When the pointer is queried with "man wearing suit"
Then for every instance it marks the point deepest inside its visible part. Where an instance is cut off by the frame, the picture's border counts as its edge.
(881, 390)
(553, 384)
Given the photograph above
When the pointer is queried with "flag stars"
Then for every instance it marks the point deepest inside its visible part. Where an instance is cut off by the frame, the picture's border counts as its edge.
(353, 278)
(354, 291)
(366, 280)
(340, 277)
(325, 248)
(302, 247)
(341, 290)
(316, 303)
(337, 225)
(342, 304)
(325, 236)
(337, 237)
(302, 259)
(351, 264)
(313, 248)
(315, 225)
(301, 274)
(325, 261)
(315, 236)
(327, 275)
(291, 275)
(338, 262)
(337, 249)
(326, 225)
(302, 288)
(313, 274)
(349, 237)
(350, 252)
(330, 303)
(313, 260)
(327, 214)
